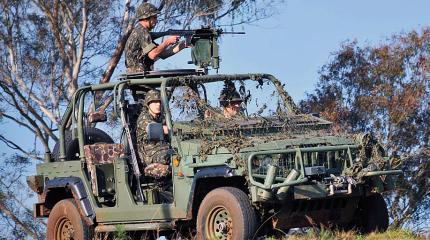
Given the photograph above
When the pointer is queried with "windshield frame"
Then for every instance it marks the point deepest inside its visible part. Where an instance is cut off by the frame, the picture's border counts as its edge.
(182, 81)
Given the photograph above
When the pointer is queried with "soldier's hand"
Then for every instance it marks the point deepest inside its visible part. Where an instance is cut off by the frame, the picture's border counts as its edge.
(172, 40)
(208, 114)
(187, 42)
(165, 130)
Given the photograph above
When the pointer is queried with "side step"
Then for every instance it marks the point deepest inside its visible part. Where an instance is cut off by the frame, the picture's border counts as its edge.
(136, 227)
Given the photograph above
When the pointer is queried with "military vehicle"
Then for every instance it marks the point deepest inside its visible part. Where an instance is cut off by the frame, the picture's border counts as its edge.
(265, 171)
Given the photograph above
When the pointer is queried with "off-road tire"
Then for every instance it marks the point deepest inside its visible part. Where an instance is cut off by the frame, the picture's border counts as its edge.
(372, 214)
(65, 222)
(92, 136)
(222, 208)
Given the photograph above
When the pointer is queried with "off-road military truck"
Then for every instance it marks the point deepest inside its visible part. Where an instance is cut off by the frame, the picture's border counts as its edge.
(267, 170)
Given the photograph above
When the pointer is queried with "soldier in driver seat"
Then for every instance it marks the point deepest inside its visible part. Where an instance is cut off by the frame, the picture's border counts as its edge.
(153, 154)
(231, 104)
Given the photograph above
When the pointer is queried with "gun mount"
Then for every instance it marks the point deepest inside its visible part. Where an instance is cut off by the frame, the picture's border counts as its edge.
(204, 45)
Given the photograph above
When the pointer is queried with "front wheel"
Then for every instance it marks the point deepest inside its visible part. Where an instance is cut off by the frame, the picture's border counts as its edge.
(226, 213)
(373, 213)
(65, 222)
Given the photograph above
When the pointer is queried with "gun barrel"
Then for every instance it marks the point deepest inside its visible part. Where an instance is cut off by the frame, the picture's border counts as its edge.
(232, 32)
(172, 32)
(200, 32)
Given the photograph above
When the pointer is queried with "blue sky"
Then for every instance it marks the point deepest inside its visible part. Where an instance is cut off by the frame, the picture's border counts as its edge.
(297, 42)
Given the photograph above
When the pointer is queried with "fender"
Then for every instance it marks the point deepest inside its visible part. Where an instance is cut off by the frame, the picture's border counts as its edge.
(207, 172)
(76, 187)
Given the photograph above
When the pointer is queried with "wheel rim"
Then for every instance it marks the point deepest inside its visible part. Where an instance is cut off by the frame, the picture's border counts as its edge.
(64, 229)
(219, 224)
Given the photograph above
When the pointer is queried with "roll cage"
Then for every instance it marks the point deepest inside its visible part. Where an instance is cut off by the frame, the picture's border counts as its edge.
(74, 113)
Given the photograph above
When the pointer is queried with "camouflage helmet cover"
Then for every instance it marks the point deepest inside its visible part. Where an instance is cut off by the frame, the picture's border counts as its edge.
(146, 10)
(152, 95)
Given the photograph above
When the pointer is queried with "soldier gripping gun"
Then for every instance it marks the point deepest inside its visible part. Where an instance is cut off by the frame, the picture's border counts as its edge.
(203, 42)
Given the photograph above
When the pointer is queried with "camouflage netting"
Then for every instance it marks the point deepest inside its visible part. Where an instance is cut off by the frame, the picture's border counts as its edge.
(273, 116)
(370, 157)
(247, 130)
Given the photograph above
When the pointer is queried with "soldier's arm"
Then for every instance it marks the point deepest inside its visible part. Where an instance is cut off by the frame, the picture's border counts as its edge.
(173, 49)
(157, 51)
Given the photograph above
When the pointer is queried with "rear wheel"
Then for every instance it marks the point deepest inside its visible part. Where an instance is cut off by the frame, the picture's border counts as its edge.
(65, 222)
(226, 213)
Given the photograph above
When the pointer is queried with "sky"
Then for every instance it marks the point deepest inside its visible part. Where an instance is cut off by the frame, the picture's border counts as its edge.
(296, 42)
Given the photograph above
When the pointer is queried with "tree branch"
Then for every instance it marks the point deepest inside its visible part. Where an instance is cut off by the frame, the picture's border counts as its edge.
(82, 34)
(16, 220)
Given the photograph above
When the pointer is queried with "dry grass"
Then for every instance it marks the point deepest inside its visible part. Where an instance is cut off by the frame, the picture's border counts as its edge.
(328, 235)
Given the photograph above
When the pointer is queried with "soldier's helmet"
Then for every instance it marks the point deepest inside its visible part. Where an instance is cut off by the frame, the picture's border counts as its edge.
(228, 96)
(152, 95)
(146, 10)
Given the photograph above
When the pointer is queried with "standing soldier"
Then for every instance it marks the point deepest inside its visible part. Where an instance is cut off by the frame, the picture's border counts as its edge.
(154, 154)
(140, 50)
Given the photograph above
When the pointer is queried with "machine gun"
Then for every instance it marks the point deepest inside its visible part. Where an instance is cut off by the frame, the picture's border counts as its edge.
(203, 42)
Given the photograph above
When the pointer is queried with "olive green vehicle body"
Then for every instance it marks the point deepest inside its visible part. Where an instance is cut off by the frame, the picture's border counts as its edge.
(298, 200)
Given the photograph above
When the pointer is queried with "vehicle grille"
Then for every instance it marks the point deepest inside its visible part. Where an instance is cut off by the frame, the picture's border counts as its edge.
(333, 161)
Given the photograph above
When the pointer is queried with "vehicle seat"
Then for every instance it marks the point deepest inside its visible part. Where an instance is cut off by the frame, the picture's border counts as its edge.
(100, 158)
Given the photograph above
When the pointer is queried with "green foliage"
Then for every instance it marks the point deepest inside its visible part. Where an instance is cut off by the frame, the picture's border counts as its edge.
(120, 233)
(385, 90)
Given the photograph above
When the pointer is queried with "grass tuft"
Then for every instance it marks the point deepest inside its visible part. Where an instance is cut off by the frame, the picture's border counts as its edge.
(351, 235)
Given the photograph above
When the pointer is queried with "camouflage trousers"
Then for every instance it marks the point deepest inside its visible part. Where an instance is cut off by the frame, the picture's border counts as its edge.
(157, 170)
(156, 159)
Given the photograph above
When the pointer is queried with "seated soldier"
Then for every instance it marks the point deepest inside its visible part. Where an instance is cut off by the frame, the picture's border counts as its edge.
(230, 102)
(155, 155)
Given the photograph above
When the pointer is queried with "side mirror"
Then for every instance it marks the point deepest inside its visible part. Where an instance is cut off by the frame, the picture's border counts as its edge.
(155, 132)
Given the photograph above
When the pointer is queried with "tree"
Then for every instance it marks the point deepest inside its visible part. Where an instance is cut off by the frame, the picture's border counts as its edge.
(49, 48)
(385, 90)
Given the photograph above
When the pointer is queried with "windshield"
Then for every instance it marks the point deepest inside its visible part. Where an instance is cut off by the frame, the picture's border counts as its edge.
(256, 99)
(226, 103)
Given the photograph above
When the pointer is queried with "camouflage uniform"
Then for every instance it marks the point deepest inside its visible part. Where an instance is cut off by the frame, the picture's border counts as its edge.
(154, 155)
(140, 43)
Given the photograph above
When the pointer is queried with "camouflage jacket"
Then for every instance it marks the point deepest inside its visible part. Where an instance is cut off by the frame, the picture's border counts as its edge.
(138, 45)
(150, 152)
